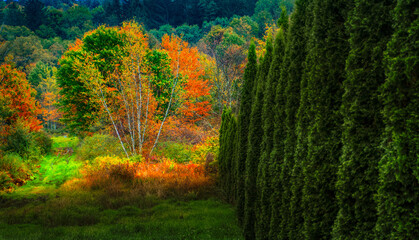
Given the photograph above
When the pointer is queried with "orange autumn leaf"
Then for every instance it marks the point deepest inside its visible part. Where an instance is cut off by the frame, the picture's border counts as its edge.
(17, 99)
(186, 62)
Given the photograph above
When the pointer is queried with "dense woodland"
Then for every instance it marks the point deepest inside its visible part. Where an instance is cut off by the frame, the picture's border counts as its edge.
(209, 119)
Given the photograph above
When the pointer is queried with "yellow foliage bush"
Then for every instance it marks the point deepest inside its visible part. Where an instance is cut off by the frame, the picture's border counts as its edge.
(200, 151)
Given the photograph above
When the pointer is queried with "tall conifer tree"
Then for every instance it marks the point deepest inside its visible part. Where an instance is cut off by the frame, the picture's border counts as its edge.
(295, 55)
(369, 25)
(270, 108)
(278, 71)
(301, 128)
(398, 194)
(223, 152)
(249, 78)
(327, 72)
(254, 142)
(233, 152)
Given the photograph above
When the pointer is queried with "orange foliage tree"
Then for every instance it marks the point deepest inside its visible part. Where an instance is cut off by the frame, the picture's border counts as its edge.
(138, 89)
(196, 89)
(17, 101)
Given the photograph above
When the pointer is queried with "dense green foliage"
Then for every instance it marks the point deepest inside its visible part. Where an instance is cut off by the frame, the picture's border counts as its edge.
(255, 138)
(369, 26)
(267, 184)
(298, 77)
(71, 18)
(398, 193)
(227, 157)
(326, 60)
(343, 149)
(249, 77)
(105, 47)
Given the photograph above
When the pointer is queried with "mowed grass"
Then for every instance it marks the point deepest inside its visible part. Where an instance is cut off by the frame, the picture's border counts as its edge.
(47, 208)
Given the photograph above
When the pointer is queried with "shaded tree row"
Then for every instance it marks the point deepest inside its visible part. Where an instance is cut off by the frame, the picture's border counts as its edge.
(327, 133)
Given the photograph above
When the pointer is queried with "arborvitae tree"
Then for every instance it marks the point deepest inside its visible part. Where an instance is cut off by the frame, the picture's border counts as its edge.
(288, 137)
(369, 25)
(295, 56)
(264, 177)
(227, 158)
(223, 159)
(255, 139)
(398, 194)
(278, 71)
(302, 118)
(249, 78)
(231, 154)
(327, 72)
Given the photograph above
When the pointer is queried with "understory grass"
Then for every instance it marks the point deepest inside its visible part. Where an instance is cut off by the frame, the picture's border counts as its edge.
(58, 204)
(164, 219)
(64, 142)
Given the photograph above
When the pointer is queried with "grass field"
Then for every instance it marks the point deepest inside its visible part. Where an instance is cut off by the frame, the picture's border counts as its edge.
(47, 207)
(155, 219)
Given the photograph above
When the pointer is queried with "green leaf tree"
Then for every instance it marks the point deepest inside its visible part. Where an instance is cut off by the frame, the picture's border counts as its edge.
(105, 45)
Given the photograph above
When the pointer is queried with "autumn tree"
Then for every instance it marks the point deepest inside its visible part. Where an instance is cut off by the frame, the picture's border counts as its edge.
(186, 62)
(136, 89)
(49, 97)
(226, 47)
(17, 100)
(79, 109)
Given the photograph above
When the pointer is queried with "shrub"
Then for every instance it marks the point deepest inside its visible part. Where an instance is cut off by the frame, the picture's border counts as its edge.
(200, 151)
(180, 152)
(19, 141)
(99, 145)
(43, 141)
(28, 145)
(13, 171)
